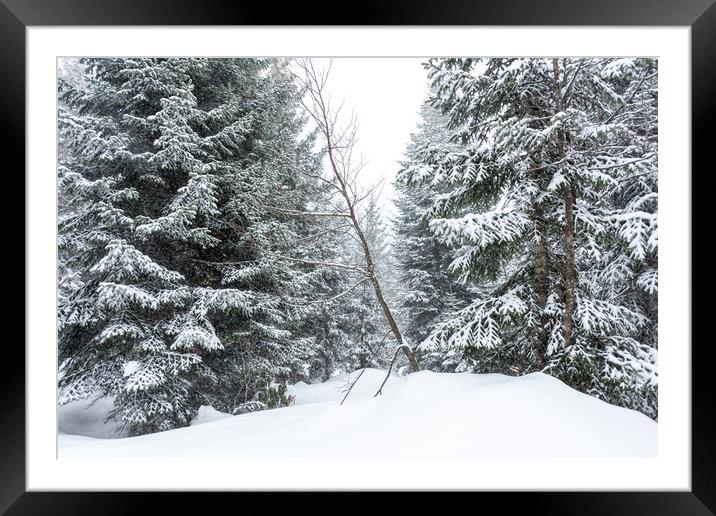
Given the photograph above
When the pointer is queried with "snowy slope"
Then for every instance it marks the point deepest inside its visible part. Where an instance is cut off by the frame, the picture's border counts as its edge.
(423, 414)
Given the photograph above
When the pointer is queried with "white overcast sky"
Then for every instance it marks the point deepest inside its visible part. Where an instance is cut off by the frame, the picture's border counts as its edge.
(385, 94)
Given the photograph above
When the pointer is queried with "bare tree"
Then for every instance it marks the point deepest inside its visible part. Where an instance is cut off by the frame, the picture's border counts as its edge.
(342, 178)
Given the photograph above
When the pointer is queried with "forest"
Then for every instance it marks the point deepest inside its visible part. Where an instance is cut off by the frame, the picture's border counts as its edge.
(219, 242)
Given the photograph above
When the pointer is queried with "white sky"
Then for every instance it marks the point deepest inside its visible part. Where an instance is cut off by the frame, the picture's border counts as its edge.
(385, 94)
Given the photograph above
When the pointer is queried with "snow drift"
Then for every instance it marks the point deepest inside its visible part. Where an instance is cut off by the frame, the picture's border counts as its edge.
(423, 414)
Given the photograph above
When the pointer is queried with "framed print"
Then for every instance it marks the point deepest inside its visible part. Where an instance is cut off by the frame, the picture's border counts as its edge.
(416, 253)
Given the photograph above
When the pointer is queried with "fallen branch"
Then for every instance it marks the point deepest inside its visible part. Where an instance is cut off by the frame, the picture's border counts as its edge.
(363, 370)
(352, 384)
(406, 349)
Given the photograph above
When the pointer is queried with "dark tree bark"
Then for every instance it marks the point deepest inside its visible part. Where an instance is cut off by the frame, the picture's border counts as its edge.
(541, 283)
(570, 271)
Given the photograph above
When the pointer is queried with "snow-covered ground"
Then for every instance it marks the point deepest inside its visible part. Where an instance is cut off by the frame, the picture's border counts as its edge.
(423, 414)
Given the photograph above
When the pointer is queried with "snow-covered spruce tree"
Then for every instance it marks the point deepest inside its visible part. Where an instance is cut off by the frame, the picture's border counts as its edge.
(68, 279)
(330, 325)
(169, 167)
(532, 207)
(428, 292)
(627, 271)
(327, 300)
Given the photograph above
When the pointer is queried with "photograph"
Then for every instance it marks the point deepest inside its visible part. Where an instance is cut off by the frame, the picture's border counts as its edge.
(417, 251)
(377, 257)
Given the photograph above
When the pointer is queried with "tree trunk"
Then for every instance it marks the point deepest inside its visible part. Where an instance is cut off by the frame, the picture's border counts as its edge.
(394, 326)
(344, 181)
(570, 270)
(407, 350)
(541, 283)
(387, 313)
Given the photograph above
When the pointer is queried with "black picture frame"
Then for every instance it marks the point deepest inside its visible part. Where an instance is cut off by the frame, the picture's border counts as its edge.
(700, 15)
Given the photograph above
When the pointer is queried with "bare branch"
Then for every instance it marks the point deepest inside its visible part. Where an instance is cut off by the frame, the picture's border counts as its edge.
(390, 368)
(237, 262)
(335, 265)
(333, 298)
(340, 144)
(375, 351)
(324, 232)
(627, 100)
(370, 192)
(623, 164)
(295, 213)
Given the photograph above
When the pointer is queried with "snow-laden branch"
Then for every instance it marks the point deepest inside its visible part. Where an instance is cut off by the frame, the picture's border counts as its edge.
(630, 98)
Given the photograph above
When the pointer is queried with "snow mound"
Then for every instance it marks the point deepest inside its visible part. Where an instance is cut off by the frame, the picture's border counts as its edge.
(423, 414)
(207, 414)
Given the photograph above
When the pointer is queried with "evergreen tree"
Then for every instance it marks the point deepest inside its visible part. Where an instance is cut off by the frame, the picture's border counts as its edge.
(428, 291)
(170, 172)
(535, 206)
(627, 269)
(328, 301)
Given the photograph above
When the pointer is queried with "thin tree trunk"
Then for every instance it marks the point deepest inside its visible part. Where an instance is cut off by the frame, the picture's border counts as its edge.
(407, 350)
(387, 313)
(394, 326)
(570, 270)
(339, 153)
(541, 283)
